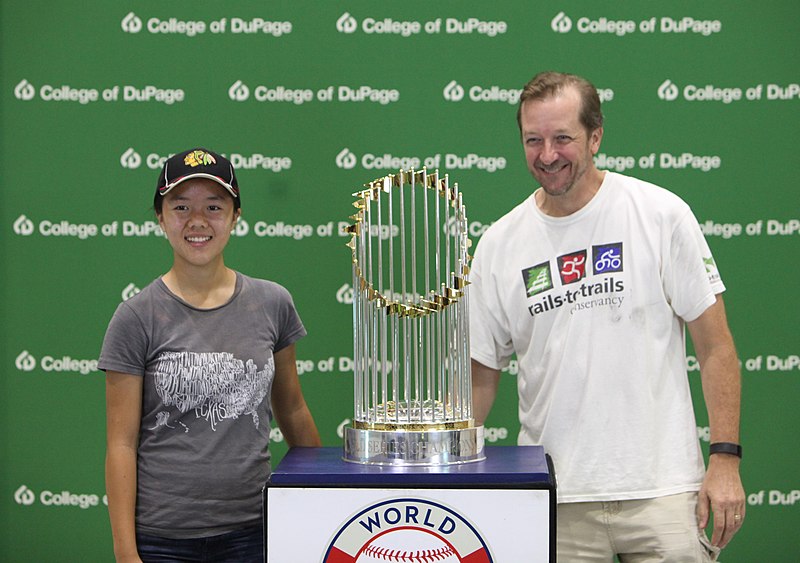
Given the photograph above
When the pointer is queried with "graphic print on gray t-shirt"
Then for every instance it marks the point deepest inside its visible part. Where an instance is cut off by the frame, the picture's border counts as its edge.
(215, 384)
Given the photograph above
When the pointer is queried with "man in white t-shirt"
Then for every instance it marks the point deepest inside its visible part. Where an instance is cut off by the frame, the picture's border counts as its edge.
(591, 282)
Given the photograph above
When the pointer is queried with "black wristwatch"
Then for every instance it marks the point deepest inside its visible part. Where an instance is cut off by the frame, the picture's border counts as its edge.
(725, 448)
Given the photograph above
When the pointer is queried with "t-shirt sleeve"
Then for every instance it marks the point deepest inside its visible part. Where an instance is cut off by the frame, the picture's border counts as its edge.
(490, 339)
(691, 277)
(290, 326)
(125, 343)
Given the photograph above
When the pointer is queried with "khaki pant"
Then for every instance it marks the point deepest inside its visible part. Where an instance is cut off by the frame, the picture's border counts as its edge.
(637, 531)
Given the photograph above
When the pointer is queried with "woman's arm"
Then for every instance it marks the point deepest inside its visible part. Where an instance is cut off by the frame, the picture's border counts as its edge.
(289, 405)
(123, 420)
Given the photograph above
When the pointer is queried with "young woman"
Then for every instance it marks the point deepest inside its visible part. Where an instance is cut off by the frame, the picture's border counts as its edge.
(197, 365)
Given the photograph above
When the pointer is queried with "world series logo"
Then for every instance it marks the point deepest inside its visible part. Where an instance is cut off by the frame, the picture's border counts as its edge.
(407, 530)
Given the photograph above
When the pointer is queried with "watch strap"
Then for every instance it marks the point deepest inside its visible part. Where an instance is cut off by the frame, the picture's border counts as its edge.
(726, 448)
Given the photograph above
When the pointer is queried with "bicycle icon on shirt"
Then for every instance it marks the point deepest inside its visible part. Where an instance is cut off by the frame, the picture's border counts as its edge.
(609, 260)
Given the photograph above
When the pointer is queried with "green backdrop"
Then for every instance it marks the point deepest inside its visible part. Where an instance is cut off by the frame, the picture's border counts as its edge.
(311, 100)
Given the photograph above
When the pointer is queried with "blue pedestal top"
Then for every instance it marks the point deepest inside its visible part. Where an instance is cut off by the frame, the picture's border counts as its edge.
(504, 466)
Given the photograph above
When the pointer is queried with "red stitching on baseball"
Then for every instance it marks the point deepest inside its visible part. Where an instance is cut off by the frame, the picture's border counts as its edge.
(424, 556)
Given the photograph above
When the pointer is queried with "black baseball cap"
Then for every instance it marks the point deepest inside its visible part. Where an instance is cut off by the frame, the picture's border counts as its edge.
(197, 163)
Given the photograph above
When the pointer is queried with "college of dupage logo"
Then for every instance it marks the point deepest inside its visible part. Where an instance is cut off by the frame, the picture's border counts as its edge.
(408, 530)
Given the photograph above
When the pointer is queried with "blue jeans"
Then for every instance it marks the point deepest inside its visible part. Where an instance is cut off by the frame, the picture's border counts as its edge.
(240, 546)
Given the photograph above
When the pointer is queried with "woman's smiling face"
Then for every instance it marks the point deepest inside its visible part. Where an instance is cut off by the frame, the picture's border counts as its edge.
(197, 217)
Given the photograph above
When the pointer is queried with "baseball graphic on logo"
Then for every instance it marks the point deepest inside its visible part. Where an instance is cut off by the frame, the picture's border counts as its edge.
(412, 545)
(408, 530)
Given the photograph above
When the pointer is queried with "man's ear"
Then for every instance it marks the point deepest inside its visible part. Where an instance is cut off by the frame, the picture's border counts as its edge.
(594, 140)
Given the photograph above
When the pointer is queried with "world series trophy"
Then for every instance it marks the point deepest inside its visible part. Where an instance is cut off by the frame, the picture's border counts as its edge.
(412, 377)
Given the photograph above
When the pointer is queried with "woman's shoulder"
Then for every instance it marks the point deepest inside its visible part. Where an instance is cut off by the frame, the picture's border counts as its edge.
(263, 287)
(145, 297)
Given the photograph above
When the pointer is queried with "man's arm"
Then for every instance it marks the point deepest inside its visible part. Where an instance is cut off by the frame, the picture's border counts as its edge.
(484, 390)
(722, 492)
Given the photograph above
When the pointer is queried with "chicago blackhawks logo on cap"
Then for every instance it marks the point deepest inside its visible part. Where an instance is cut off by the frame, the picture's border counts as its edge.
(409, 530)
(197, 158)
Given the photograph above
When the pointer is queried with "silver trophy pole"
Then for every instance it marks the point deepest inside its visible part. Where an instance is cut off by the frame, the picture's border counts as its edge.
(412, 380)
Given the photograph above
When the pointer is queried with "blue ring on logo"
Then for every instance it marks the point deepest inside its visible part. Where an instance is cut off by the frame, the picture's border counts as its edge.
(408, 499)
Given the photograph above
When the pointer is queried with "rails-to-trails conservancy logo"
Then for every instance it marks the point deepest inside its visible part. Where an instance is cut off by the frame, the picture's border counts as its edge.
(407, 530)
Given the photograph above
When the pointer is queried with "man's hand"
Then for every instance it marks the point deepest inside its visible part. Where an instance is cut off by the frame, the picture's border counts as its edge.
(723, 495)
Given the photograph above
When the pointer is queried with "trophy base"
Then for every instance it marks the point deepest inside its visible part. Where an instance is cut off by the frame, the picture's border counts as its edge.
(413, 448)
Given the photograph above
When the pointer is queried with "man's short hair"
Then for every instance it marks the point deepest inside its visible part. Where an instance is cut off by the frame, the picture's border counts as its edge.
(550, 83)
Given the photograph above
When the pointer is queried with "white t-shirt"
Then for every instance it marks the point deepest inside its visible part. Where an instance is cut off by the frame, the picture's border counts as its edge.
(593, 305)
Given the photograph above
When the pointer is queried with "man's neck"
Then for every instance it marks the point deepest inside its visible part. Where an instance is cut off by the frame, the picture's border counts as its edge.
(572, 201)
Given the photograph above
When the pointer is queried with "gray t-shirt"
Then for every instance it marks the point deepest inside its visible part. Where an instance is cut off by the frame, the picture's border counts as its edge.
(203, 454)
